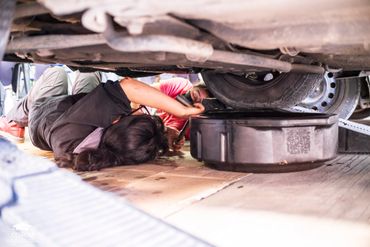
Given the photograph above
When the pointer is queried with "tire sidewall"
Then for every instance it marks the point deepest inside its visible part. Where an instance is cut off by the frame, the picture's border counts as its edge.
(283, 92)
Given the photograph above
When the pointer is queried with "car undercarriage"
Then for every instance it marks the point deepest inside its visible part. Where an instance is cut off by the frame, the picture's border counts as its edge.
(251, 54)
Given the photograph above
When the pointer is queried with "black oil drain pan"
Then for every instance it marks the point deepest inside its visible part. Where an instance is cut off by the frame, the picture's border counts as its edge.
(264, 141)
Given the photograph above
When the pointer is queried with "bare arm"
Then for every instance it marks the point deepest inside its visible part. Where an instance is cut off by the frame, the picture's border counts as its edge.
(141, 93)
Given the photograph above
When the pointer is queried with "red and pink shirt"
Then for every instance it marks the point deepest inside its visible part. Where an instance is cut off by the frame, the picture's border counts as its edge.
(173, 87)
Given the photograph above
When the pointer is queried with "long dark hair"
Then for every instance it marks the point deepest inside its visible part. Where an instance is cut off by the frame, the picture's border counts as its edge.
(133, 139)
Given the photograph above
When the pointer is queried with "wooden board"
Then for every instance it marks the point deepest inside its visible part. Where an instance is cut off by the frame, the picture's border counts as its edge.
(339, 190)
(161, 187)
(327, 206)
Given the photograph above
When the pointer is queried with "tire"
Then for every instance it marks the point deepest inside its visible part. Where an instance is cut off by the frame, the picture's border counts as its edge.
(336, 96)
(6, 16)
(361, 114)
(282, 91)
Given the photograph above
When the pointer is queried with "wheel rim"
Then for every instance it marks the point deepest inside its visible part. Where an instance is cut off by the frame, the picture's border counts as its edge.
(333, 96)
(325, 96)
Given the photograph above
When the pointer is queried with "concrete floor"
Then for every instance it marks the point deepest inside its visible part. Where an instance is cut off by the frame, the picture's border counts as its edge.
(326, 206)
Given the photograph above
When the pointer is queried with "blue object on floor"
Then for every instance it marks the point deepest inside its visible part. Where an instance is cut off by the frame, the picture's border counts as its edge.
(48, 206)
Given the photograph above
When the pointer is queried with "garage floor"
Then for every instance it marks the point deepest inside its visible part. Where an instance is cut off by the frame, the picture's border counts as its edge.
(326, 206)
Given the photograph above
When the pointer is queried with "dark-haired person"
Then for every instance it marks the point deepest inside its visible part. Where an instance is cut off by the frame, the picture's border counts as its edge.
(94, 130)
(174, 87)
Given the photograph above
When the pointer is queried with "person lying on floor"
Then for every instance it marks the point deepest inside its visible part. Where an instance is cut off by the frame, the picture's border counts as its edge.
(94, 130)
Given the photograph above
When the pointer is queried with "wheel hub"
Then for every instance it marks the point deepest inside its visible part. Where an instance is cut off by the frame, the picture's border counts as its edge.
(324, 95)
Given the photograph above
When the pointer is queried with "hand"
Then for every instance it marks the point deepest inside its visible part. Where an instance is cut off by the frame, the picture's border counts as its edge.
(197, 108)
(143, 94)
(172, 135)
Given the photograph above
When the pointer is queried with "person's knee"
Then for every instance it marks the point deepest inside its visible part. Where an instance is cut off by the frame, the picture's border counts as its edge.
(86, 82)
(56, 76)
(53, 82)
(54, 70)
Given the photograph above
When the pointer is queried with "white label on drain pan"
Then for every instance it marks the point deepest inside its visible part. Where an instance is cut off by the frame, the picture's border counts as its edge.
(298, 140)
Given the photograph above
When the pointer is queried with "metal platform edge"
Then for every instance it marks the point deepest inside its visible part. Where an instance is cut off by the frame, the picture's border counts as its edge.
(49, 206)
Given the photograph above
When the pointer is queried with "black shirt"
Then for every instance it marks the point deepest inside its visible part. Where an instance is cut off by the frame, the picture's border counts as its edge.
(61, 123)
